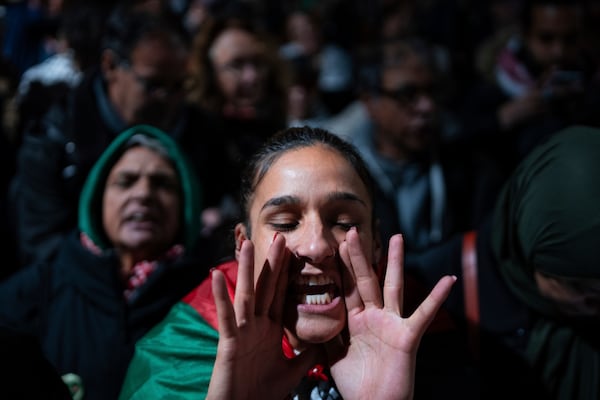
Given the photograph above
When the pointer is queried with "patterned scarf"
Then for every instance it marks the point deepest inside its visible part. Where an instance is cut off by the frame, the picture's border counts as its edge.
(141, 270)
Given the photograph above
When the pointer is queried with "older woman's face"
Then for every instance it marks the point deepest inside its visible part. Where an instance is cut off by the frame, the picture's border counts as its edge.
(141, 208)
(312, 196)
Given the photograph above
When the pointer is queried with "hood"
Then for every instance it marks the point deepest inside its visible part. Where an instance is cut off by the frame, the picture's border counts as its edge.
(547, 217)
(90, 202)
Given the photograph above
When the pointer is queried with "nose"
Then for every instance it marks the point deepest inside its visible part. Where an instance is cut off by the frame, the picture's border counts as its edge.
(250, 72)
(558, 50)
(425, 103)
(313, 243)
(142, 188)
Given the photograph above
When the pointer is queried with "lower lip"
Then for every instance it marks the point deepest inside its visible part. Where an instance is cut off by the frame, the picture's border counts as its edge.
(319, 308)
(141, 225)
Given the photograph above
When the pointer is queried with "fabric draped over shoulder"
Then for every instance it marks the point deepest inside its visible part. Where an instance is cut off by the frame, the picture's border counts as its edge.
(177, 355)
(547, 219)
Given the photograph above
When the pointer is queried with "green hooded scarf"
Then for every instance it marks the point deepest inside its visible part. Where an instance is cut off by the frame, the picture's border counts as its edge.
(548, 219)
(90, 220)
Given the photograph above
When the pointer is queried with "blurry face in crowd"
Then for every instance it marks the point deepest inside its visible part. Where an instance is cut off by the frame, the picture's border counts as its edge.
(312, 196)
(576, 297)
(240, 66)
(404, 111)
(141, 208)
(148, 88)
(303, 31)
(554, 36)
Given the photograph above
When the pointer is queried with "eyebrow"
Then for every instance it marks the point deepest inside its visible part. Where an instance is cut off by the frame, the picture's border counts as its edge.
(293, 200)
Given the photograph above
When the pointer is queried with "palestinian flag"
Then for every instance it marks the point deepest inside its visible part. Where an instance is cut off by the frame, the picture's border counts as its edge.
(176, 357)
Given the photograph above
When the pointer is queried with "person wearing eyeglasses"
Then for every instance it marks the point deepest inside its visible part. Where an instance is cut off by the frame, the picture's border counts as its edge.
(425, 189)
(237, 78)
(139, 79)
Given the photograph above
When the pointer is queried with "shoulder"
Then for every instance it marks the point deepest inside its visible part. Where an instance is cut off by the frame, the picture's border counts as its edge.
(201, 298)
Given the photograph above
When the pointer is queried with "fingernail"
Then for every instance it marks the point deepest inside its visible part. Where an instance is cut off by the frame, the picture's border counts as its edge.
(274, 236)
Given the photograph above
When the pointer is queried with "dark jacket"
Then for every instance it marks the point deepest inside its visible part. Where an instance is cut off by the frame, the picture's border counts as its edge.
(57, 153)
(523, 343)
(75, 307)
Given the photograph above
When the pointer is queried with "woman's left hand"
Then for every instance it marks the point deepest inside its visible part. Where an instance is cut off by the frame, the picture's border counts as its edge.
(379, 360)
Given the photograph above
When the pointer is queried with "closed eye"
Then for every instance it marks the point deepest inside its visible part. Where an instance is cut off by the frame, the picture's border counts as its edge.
(346, 226)
(284, 227)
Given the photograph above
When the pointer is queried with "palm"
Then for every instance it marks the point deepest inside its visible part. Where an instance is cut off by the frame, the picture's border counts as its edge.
(250, 362)
(379, 361)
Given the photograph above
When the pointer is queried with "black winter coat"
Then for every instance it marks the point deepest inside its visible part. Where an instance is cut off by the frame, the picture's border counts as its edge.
(58, 152)
(76, 308)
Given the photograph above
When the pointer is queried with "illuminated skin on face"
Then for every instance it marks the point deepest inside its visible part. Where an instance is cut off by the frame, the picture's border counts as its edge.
(141, 207)
(405, 122)
(575, 297)
(238, 58)
(312, 196)
(149, 87)
(554, 35)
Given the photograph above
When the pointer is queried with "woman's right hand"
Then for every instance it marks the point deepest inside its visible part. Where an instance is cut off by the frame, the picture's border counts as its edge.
(250, 363)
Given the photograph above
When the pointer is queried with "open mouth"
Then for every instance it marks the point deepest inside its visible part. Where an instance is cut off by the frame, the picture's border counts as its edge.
(140, 216)
(315, 290)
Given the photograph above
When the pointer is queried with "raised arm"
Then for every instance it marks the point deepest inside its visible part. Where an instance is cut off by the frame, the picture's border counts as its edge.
(250, 363)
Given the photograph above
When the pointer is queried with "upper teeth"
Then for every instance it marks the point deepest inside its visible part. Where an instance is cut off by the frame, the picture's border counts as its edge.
(137, 216)
(324, 298)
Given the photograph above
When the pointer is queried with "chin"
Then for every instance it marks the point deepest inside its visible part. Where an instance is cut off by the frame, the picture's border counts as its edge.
(317, 330)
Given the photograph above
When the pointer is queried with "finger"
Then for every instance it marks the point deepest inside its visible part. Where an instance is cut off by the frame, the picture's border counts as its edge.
(266, 284)
(281, 287)
(365, 277)
(423, 315)
(225, 313)
(351, 295)
(393, 285)
(243, 302)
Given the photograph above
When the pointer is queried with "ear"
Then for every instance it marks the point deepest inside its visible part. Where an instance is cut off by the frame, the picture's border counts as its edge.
(109, 63)
(240, 234)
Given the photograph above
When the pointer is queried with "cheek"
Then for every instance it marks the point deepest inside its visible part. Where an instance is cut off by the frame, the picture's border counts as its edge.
(110, 207)
(227, 86)
(172, 207)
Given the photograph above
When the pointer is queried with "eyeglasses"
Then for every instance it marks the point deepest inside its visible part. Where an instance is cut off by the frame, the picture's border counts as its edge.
(549, 38)
(409, 93)
(238, 65)
(152, 85)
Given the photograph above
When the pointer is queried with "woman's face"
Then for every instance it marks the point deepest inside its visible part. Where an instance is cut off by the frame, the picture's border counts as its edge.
(141, 207)
(312, 196)
(240, 65)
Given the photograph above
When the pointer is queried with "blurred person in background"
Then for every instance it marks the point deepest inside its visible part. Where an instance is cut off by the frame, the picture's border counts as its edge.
(529, 302)
(539, 83)
(135, 252)
(304, 39)
(139, 79)
(427, 188)
(29, 34)
(237, 78)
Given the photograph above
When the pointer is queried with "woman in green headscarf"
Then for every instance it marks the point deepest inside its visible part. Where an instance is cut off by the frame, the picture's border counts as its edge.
(530, 304)
(135, 254)
(546, 240)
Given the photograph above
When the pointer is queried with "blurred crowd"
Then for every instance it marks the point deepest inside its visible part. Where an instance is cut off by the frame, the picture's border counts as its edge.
(442, 98)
